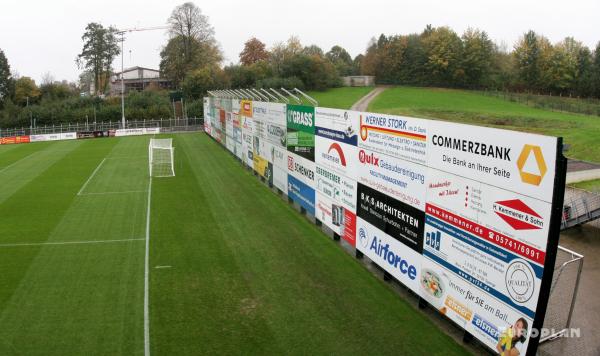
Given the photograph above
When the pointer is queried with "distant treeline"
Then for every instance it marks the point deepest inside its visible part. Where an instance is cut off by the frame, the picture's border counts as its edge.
(440, 57)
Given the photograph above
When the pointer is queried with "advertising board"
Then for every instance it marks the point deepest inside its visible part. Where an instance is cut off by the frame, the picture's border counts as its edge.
(395, 136)
(11, 140)
(336, 133)
(301, 131)
(301, 181)
(466, 217)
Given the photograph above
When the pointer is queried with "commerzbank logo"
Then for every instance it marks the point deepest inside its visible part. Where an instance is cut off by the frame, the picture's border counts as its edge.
(528, 153)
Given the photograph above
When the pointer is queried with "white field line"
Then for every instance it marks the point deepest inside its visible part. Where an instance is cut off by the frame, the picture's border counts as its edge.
(15, 162)
(108, 193)
(67, 242)
(91, 176)
(146, 275)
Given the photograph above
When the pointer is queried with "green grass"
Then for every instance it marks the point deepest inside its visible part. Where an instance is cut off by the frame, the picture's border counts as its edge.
(581, 132)
(242, 272)
(590, 185)
(340, 98)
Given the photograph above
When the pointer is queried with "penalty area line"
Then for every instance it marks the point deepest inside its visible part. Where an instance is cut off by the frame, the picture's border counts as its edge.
(91, 176)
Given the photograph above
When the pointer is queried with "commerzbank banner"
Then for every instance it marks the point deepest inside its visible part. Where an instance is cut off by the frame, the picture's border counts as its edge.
(464, 216)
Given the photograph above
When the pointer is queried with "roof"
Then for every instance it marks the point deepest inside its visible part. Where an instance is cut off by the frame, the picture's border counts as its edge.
(131, 69)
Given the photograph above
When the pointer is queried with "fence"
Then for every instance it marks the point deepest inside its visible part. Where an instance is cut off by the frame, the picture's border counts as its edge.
(166, 125)
(563, 293)
(549, 102)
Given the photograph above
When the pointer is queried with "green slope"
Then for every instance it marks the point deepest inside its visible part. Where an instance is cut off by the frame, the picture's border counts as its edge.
(580, 131)
(340, 98)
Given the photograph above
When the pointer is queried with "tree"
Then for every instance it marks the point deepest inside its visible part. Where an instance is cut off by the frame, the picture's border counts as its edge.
(5, 78)
(254, 51)
(175, 66)
(313, 50)
(596, 71)
(477, 57)
(527, 58)
(444, 53)
(99, 50)
(26, 89)
(191, 45)
(188, 23)
(341, 60)
(199, 81)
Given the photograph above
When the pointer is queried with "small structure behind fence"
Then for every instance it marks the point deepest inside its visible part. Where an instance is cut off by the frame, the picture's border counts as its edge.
(166, 125)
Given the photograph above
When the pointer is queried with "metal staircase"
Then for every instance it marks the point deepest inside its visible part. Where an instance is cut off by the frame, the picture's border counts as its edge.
(580, 207)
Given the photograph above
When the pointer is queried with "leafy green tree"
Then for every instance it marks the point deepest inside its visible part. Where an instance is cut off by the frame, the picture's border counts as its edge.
(477, 57)
(254, 51)
(175, 66)
(357, 64)
(26, 89)
(99, 50)
(313, 50)
(341, 60)
(199, 81)
(596, 71)
(5, 78)
(444, 53)
(527, 59)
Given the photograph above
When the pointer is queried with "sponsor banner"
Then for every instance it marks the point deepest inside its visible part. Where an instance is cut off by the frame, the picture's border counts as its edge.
(301, 131)
(136, 132)
(229, 142)
(400, 179)
(247, 140)
(301, 169)
(45, 137)
(246, 108)
(237, 135)
(14, 140)
(400, 221)
(280, 161)
(389, 253)
(337, 125)
(338, 218)
(514, 161)
(263, 167)
(478, 312)
(395, 136)
(92, 134)
(68, 136)
(302, 194)
(511, 221)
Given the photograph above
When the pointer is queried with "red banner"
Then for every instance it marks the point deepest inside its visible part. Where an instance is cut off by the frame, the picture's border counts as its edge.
(14, 140)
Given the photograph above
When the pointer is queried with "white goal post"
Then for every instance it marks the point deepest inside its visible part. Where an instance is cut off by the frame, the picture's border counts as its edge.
(161, 157)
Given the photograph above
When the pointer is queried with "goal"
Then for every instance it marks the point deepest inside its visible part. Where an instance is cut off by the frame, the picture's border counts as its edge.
(160, 157)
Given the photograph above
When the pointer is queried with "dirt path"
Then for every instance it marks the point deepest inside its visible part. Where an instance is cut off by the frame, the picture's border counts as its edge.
(364, 102)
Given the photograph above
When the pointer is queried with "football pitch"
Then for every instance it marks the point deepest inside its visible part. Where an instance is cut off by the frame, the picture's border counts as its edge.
(97, 258)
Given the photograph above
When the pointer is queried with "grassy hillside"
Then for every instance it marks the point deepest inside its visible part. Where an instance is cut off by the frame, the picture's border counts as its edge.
(581, 132)
(342, 98)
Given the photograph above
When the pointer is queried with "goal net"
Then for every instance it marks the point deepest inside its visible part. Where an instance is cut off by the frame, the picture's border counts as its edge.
(160, 154)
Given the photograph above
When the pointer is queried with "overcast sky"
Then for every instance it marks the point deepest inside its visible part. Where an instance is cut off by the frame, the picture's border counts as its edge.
(45, 36)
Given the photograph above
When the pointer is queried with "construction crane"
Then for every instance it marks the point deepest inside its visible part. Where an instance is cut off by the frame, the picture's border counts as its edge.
(122, 33)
